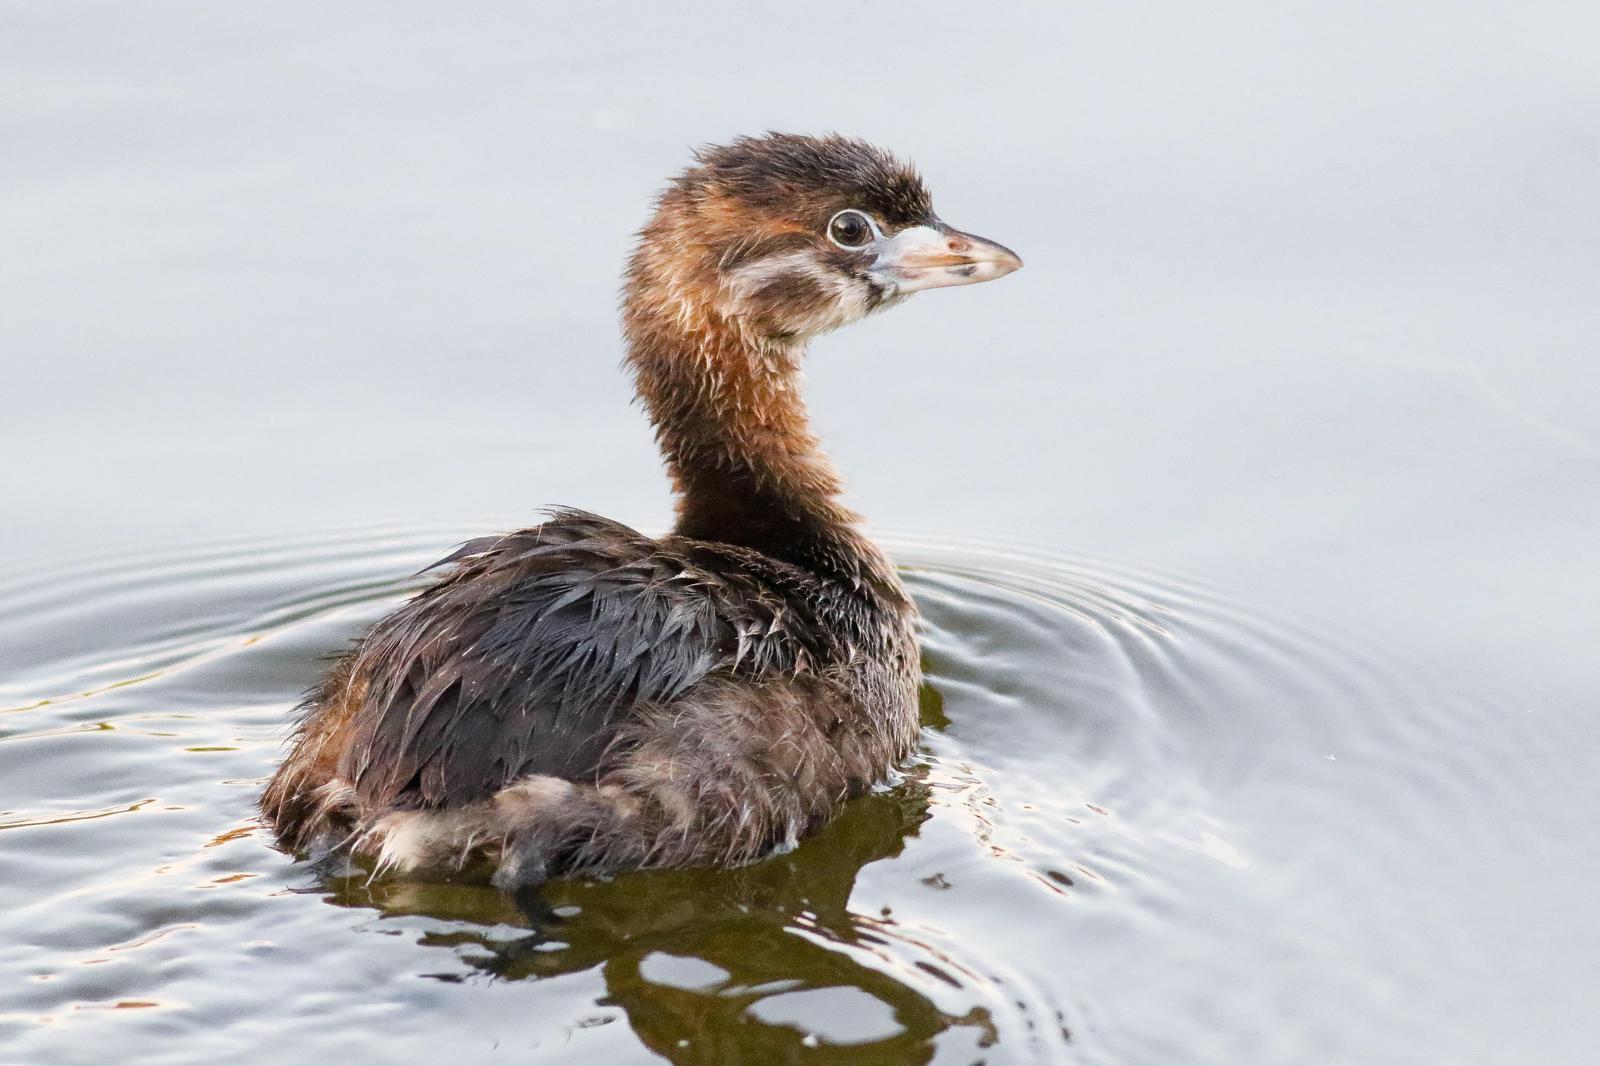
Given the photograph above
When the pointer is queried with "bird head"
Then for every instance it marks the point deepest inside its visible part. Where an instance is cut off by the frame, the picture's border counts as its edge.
(785, 236)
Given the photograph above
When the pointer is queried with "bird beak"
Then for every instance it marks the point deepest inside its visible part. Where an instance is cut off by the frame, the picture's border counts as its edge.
(933, 256)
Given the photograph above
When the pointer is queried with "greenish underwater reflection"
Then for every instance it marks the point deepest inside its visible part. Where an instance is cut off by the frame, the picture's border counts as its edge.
(712, 964)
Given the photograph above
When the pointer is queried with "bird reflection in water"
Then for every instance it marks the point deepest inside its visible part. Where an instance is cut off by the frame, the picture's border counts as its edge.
(687, 954)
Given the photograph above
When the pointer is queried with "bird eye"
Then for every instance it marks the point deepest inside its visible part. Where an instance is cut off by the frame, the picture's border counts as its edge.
(850, 229)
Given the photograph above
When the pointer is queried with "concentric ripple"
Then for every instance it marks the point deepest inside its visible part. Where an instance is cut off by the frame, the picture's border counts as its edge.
(1147, 825)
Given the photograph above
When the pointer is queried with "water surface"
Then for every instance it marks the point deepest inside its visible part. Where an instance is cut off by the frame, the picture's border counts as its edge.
(1145, 821)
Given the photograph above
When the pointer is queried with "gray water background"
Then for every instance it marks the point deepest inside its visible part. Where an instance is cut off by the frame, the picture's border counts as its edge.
(1310, 313)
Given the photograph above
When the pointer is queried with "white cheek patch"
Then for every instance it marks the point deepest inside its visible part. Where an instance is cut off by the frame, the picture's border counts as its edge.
(744, 282)
(849, 297)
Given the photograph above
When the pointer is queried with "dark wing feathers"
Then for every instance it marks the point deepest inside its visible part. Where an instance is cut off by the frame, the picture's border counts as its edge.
(530, 653)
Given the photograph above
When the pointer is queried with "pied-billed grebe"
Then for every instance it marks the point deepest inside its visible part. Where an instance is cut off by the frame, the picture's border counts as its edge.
(580, 697)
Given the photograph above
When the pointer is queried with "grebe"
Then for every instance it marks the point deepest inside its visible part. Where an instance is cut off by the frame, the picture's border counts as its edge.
(578, 697)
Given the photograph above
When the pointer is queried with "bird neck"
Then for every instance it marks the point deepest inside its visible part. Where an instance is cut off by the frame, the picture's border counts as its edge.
(732, 426)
